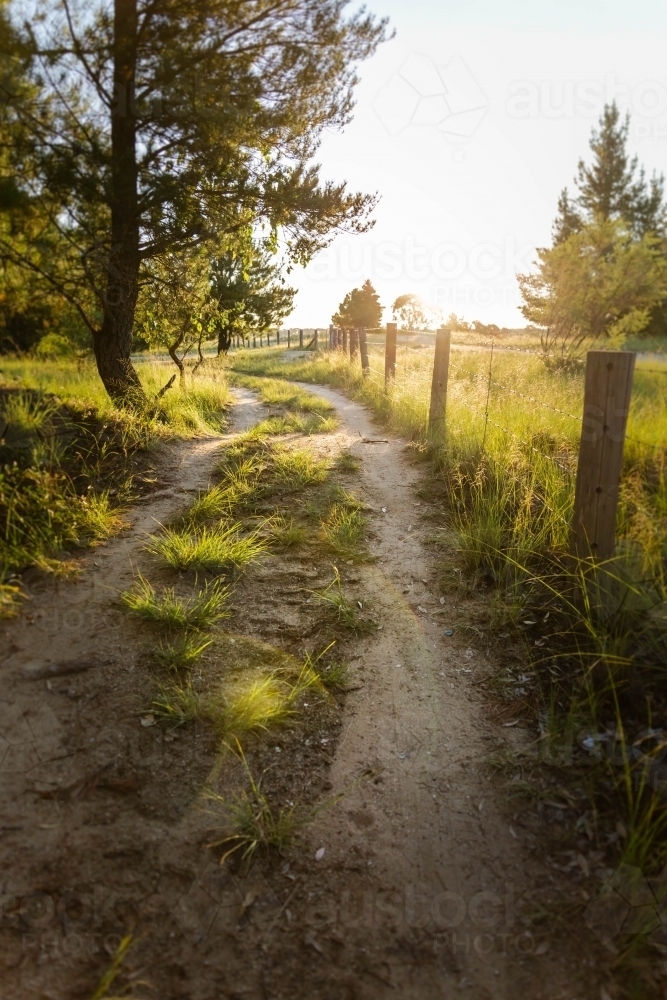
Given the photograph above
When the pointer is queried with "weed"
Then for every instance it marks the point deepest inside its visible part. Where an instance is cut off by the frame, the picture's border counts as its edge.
(100, 518)
(206, 607)
(212, 504)
(10, 598)
(335, 674)
(27, 414)
(265, 703)
(308, 679)
(178, 702)
(292, 471)
(182, 652)
(339, 608)
(211, 549)
(286, 534)
(343, 532)
(347, 462)
(253, 823)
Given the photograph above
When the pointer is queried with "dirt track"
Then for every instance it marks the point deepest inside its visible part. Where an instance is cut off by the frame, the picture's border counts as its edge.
(423, 882)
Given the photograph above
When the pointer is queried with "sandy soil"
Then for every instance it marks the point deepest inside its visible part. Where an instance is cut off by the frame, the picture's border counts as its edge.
(414, 885)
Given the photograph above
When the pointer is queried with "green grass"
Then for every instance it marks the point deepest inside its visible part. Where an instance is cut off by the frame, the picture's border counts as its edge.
(203, 609)
(343, 533)
(293, 470)
(339, 609)
(252, 823)
(178, 702)
(216, 549)
(200, 409)
(68, 454)
(182, 652)
(274, 392)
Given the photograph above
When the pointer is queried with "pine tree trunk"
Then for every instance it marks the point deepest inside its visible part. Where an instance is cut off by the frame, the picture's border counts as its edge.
(113, 342)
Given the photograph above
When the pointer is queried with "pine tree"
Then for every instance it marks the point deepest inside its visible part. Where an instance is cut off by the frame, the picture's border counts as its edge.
(612, 187)
(251, 296)
(360, 307)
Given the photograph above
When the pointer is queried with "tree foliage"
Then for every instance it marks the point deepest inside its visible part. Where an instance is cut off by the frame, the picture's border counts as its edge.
(251, 295)
(410, 312)
(612, 186)
(360, 307)
(599, 283)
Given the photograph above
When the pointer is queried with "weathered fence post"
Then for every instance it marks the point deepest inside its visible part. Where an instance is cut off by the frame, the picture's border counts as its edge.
(390, 355)
(606, 406)
(315, 340)
(354, 340)
(345, 339)
(363, 350)
(268, 339)
(300, 338)
(277, 338)
(438, 407)
(254, 340)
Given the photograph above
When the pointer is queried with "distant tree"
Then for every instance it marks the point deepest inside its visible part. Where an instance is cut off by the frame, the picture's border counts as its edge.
(410, 312)
(600, 283)
(360, 307)
(611, 186)
(250, 297)
(455, 322)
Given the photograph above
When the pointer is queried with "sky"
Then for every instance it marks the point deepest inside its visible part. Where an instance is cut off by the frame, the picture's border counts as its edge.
(468, 124)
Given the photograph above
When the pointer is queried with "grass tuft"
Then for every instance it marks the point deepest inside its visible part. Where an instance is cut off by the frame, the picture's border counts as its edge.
(182, 652)
(343, 533)
(253, 823)
(339, 608)
(214, 550)
(178, 702)
(265, 703)
(286, 533)
(206, 606)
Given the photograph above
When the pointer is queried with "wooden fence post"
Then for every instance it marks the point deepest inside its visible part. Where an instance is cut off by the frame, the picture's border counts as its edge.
(390, 355)
(345, 339)
(315, 340)
(438, 407)
(606, 406)
(268, 339)
(354, 339)
(363, 350)
(254, 340)
(277, 338)
(300, 338)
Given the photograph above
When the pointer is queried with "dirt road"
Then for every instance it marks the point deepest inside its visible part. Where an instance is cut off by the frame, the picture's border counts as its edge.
(415, 885)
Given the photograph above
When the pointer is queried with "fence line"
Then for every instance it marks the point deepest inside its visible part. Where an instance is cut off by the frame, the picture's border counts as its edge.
(597, 472)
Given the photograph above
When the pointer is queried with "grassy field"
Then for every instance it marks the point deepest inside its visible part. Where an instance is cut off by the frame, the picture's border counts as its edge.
(68, 455)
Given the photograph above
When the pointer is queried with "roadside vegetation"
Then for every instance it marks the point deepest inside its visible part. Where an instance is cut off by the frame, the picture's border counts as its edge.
(589, 646)
(70, 460)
